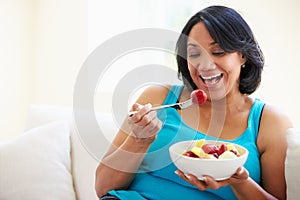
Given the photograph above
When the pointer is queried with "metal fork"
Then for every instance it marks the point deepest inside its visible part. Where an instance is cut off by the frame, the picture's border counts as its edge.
(178, 106)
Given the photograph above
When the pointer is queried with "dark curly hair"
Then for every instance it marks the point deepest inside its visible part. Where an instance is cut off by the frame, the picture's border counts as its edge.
(232, 33)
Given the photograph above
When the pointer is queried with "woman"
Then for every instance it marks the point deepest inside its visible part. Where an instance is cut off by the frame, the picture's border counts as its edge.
(221, 57)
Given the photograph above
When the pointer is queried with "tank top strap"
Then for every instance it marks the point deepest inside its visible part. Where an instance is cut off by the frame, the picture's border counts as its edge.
(174, 94)
(255, 115)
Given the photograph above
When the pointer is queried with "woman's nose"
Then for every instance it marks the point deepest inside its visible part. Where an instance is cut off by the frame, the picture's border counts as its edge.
(206, 63)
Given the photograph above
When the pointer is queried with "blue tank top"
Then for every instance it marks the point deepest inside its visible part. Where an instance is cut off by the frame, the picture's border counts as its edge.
(156, 178)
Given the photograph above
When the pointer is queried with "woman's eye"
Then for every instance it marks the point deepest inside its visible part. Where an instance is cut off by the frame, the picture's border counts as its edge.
(194, 55)
(218, 53)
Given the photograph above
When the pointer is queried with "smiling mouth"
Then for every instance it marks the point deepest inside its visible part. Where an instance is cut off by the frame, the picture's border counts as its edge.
(211, 80)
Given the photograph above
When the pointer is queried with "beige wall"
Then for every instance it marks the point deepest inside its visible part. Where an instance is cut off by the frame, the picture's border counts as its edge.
(60, 42)
(43, 45)
(16, 22)
(45, 42)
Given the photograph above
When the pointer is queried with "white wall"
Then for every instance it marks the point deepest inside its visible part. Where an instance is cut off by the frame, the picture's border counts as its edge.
(15, 64)
(60, 48)
(43, 45)
(45, 42)
(274, 23)
(277, 28)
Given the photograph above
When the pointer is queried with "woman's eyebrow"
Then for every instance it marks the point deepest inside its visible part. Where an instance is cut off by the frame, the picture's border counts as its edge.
(195, 45)
(213, 43)
(192, 45)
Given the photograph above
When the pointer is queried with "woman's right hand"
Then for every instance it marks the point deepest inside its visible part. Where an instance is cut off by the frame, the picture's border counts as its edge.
(144, 124)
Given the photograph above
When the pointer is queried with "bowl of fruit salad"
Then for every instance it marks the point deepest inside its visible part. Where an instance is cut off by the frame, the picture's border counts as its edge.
(217, 159)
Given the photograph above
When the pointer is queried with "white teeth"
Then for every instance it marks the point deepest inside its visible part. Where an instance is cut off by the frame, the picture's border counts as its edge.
(212, 80)
(211, 77)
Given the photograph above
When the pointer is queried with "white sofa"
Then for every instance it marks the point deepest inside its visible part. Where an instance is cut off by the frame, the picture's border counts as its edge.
(30, 164)
(49, 161)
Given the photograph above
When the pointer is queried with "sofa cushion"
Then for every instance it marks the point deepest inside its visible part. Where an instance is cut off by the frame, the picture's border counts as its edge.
(292, 164)
(84, 164)
(37, 165)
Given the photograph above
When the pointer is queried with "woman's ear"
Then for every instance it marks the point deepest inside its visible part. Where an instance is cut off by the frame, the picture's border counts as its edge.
(244, 59)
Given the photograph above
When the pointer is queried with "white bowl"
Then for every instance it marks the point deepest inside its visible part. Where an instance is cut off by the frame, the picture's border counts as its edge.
(219, 169)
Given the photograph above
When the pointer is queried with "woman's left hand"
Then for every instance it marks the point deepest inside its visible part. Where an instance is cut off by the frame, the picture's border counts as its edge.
(208, 182)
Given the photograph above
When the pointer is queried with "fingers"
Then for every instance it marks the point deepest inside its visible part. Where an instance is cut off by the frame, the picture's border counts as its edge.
(241, 174)
(144, 116)
(144, 123)
(142, 111)
(213, 184)
(182, 175)
(155, 124)
(208, 182)
(201, 185)
(144, 120)
(205, 183)
(190, 178)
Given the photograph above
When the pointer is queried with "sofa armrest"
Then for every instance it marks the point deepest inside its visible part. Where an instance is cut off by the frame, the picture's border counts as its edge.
(83, 163)
(292, 164)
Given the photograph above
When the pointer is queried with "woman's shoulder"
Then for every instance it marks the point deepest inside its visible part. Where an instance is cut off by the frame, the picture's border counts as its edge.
(273, 126)
(154, 94)
(275, 117)
(274, 123)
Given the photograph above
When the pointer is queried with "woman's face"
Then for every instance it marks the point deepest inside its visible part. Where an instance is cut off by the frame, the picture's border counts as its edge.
(211, 68)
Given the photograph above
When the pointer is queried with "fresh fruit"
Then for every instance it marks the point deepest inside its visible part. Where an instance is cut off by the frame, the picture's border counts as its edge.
(231, 147)
(190, 154)
(210, 148)
(213, 156)
(227, 155)
(199, 152)
(222, 149)
(200, 143)
(198, 96)
(212, 151)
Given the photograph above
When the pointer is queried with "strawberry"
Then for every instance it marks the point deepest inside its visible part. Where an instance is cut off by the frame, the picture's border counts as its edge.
(198, 96)
(235, 152)
(210, 148)
(190, 154)
(232, 148)
(222, 149)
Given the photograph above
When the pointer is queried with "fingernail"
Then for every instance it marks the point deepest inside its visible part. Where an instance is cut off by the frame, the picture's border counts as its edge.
(204, 179)
(148, 105)
(176, 172)
(241, 171)
(188, 176)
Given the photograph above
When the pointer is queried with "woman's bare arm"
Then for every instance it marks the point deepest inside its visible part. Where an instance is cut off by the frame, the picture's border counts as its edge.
(272, 147)
(118, 166)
